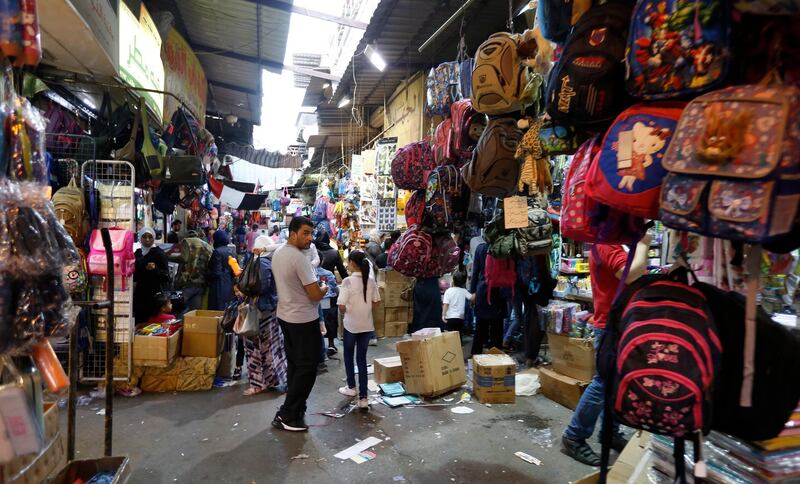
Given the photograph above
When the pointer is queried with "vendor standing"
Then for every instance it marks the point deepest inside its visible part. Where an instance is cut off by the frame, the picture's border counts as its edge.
(151, 276)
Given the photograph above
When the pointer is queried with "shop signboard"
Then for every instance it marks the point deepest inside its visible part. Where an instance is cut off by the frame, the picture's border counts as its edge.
(184, 77)
(405, 111)
(139, 62)
(101, 16)
(515, 212)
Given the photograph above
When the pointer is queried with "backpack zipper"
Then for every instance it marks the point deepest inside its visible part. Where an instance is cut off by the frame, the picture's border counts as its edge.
(636, 342)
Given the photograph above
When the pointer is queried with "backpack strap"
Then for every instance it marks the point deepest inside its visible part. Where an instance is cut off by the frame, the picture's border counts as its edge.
(606, 428)
(679, 446)
(748, 368)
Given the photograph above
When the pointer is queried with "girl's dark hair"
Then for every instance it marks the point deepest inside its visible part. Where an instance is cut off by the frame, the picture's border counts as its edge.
(160, 300)
(459, 279)
(360, 259)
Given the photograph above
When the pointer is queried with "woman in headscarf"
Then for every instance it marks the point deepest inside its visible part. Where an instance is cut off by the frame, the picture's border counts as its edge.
(151, 276)
(220, 274)
(266, 358)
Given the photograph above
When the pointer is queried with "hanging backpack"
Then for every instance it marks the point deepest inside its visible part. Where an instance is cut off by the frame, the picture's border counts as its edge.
(537, 237)
(465, 69)
(494, 169)
(122, 254)
(69, 206)
(411, 165)
(585, 219)
(320, 211)
(499, 77)
(444, 204)
(628, 173)
(195, 255)
(412, 254)
(447, 252)
(660, 358)
(499, 274)
(463, 116)
(556, 17)
(415, 208)
(557, 139)
(443, 88)
(443, 142)
(734, 166)
(677, 49)
(587, 85)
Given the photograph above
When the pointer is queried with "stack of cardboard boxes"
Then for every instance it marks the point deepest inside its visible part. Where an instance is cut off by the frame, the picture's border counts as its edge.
(394, 313)
(573, 368)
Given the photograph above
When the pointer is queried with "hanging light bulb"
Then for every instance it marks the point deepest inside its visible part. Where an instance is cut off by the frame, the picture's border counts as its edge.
(375, 57)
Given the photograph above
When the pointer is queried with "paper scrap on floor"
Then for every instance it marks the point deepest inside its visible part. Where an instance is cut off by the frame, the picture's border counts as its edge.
(362, 457)
(528, 458)
(461, 410)
(358, 448)
(392, 389)
(397, 401)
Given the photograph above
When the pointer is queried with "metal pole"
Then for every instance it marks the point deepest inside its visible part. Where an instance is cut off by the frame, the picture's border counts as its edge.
(445, 25)
(109, 341)
(73, 390)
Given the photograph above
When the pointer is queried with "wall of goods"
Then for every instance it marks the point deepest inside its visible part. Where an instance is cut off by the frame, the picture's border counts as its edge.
(584, 128)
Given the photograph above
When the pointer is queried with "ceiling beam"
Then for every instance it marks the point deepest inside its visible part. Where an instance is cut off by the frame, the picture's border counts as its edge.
(287, 7)
(207, 49)
(232, 87)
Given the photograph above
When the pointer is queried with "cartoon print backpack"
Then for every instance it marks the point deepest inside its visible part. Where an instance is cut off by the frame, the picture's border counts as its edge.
(448, 253)
(661, 355)
(499, 274)
(584, 218)
(499, 77)
(443, 88)
(74, 276)
(444, 204)
(411, 165)
(734, 166)
(69, 206)
(677, 48)
(415, 207)
(122, 254)
(463, 116)
(443, 142)
(412, 254)
(586, 87)
(628, 172)
(556, 17)
(494, 170)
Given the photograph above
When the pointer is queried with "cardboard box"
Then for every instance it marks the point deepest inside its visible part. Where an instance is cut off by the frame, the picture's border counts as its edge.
(158, 351)
(392, 294)
(433, 366)
(561, 388)
(390, 277)
(573, 357)
(626, 464)
(83, 470)
(202, 335)
(35, 468)
(398, 314)
(494, 378)
(388, 370)
(395, 328)
(379, 318)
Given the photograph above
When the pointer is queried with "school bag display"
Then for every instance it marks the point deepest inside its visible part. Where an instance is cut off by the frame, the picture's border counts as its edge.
(122, 254)
(443, 88)
(463, 117)
(556, 17)
(734, 166)
(677, 48)
(412, 254)
(499, 78)
(494, 169)
(69, 206)
(442, 142)
(444, 200)
(415, 207)
(586, 87)
(411, 165)
(447, 252)
(627, 174)
(537, 237)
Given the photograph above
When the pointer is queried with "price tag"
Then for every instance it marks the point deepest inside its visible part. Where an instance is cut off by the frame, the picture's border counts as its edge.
(515, 212)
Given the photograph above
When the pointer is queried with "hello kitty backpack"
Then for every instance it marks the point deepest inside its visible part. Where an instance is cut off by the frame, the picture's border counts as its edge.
(628, 173)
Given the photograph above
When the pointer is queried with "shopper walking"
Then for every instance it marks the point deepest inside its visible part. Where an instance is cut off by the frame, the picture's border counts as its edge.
(266, 357)
(356, 297)
(220, 274)
(489, 324)
(299, 294)
(606, 269)
(150, 277)
(454, 303)
(250, 238)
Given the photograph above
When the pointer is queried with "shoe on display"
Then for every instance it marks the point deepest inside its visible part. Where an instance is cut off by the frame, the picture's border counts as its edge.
(580, 451)
(347, 391)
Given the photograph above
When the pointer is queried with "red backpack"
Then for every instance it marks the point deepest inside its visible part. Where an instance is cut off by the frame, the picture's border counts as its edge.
(448, 252)
(462, 114)
(415, 207)
(443, 142)
(411, 165)
(412, 254)
(585, 219)
(499, 274)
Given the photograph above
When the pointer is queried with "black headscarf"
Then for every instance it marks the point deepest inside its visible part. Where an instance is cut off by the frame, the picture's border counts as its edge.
(323, 241)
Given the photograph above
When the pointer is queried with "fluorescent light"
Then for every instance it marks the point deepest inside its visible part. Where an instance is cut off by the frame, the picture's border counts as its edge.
(326, 85)
(344, 102)
(526, 7)
(375, 57)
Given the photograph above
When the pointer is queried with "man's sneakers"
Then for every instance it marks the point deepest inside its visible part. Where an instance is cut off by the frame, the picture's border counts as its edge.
(580, 451)
(298, 425)
(618, 441)
(332, 351)
(348, 392)
(363, 403)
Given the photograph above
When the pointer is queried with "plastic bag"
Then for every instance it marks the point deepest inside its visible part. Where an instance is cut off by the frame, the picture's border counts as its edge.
(249, 282)
(527, 384)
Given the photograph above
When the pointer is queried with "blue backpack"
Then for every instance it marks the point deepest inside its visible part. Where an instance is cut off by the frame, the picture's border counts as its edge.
(556, 17)
(678, 47)
(320, 212)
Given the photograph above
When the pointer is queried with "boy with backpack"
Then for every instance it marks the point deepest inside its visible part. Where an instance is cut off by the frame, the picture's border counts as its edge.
(606, 269)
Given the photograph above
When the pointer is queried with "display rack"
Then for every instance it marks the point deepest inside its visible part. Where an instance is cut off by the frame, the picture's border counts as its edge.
(112, 182)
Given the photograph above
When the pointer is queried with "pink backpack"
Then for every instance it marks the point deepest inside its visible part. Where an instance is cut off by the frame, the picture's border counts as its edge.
(412, 254)
(411, 165)
(415, 208)
(443, 142)
(122, 254)
(462, 114)
(499, 274)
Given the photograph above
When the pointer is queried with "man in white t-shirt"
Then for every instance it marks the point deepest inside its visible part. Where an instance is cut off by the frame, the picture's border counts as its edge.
(454, 304)
(299, 294)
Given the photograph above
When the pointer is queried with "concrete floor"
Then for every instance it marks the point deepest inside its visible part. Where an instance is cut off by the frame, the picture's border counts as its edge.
(222, 436)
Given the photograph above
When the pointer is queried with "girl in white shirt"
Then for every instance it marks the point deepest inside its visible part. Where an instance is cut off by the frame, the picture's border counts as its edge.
(357, 294)
(454, 304)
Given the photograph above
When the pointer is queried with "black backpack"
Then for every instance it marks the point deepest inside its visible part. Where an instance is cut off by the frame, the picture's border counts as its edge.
(587, 85)
(776, 383)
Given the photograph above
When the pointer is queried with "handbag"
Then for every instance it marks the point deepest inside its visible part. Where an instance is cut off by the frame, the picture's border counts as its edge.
(173, 168)
(249, 282)
(247, 320)
(229, 316)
